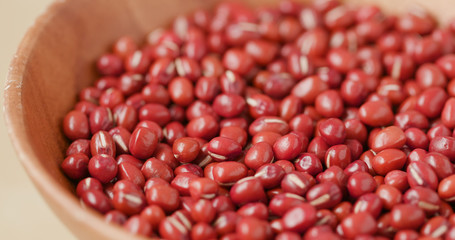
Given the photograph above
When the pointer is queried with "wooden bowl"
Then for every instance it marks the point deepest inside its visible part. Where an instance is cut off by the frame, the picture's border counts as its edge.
(55, 61)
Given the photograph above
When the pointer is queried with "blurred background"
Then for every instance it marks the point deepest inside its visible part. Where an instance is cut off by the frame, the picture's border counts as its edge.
(23, 212)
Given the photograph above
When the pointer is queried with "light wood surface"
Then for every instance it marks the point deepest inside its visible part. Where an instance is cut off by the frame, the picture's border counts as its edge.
(53, 64)
(23, 212)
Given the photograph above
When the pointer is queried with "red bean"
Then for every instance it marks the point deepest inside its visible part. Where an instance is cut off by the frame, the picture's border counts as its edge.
(164, 196)
(445, 188)
(332, 131)
(309, 88)
(357, 224)
(338, 155)
(376, 113)
(406, 216)
(155, 113)
(76, 126)
(205, 127)
(155, 168)
(431, 101)
(97, 200)
(75, 166)
(270, 175)
(421, 174)
(295, 182)
(186, 149)
(247, 190)
(299, 218)
(228, 173)
(324, 195)
(388, 160)
(360, 183)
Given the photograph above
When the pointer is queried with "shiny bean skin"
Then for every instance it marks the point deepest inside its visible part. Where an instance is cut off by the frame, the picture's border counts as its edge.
(259, 154)
(376, 113)
(76, 126)
(406, 216)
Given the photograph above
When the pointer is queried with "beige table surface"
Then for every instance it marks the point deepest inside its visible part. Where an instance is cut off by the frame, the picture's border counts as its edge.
(23, 212)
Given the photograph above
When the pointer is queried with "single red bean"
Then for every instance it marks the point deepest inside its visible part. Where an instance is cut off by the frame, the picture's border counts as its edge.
(202, 211)
(156, 93)
(156, 168)
(309, 88)
(299, 218)
(156, 113)
(110, 64)
(205, 127)
(129, 201)
(338, 155)
(389, 195)
(431, 101)
(416, 138)
(253, 228)
(289, 146)
(342, 210)
(443, 145)
(376, 113)
(397, 179)
(79, 146)
(424, 198)
(228, 173)
(75, 166)
(302, 123)
(228, 105)
(201, 231)
(164, 196)
(357, 224)
(143, 142)
(76, 125)
(88, 183)
(283, 202)
(97, 200)
(186, 149)
(101, 119)
(259, 154)
(324, 195)
(388, 160)
(103, 167)
(269, 123)
(295, 182)
(389, 137)
(153, 214)
(333, 174)
(247, 190)
(421, 174)
(332, 131)
(130, 172)
(270, 175)
(406, 216)
(310, 163)
(360, 183)
(370, 203)
(222, 149)
(446, 189)
(256, 210)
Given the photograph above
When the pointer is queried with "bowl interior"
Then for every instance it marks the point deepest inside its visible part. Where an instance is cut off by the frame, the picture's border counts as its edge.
(55, 61)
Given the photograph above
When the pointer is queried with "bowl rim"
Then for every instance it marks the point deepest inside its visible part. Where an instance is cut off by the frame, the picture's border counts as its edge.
(62, 202)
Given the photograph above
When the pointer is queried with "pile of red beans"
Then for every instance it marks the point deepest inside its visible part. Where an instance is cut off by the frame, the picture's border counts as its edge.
(317, 121)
